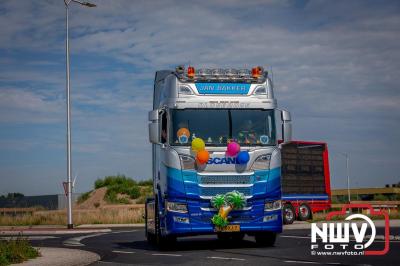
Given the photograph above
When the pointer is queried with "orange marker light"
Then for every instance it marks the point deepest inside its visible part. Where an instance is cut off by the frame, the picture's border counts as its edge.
(256, 72)
(190, 72)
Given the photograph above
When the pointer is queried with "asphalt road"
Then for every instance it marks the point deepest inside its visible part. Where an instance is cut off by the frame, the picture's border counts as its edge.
(128, 246)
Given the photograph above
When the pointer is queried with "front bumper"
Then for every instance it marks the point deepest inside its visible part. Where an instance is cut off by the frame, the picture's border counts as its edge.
(198, 221)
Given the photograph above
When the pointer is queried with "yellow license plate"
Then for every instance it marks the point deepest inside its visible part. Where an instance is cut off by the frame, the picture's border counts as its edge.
(228, 228)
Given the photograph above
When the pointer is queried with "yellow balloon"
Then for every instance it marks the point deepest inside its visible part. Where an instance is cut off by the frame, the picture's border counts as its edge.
(198, 144)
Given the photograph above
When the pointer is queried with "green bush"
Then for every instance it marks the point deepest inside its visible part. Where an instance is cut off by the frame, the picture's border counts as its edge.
(16, 251)
(134, 192)
(380, 197)
(148, 182)
(114, 180)
(120, 184)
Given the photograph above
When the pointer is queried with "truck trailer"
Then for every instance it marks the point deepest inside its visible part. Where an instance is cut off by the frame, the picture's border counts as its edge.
(305, 180)
(216, 160)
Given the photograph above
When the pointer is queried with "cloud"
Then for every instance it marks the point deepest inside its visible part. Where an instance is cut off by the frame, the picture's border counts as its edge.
(23, 106)
(335, 66)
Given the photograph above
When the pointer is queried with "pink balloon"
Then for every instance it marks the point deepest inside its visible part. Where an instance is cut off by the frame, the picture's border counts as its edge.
(232, 149)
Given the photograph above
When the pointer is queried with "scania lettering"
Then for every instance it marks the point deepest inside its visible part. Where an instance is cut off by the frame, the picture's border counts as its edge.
(203, 112)
(222, 161)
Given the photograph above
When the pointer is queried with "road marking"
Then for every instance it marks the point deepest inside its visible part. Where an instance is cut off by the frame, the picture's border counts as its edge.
(166, 254)
(76, 241)
(224, 258)
(123, 252)
(301, 262)
(29, 237)
(126, 231)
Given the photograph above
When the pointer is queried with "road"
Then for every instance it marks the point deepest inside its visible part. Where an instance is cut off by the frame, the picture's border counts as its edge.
(128, 246)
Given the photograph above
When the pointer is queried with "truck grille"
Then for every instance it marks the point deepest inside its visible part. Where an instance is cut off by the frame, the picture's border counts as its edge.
(225, 179)
(208, 192)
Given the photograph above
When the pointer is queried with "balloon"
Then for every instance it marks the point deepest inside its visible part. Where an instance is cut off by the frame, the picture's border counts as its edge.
(198, 144)
(183, 131)
(202, 157)
(243, 157)
(232, 149)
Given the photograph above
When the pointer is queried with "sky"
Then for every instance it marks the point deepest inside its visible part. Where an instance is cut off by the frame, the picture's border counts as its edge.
(335, 66)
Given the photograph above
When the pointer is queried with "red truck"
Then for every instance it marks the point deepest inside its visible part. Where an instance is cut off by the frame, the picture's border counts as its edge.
(305, 180)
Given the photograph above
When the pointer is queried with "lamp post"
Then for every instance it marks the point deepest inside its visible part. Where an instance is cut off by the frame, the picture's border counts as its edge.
(69, 182)
(346, 155)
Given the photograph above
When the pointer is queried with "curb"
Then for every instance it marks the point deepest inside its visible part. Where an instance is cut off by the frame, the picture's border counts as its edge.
(62, 257)
(109, 225)
(43, 231)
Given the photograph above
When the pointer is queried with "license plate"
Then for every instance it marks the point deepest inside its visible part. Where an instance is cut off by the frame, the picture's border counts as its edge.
(228, 228)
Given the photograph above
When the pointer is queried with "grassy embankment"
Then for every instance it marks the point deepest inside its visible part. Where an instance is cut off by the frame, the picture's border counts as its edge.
(114, 200)
(16, 251)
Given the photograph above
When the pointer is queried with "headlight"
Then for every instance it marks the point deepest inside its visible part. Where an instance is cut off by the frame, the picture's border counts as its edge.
(187, 161)
(185, 90)
(262, 162)
(273, 205)
(176, 207)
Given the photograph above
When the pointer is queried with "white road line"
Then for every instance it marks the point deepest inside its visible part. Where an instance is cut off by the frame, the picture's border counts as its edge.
(301, 262)
(126, 231)
(224, 258)
(76, 241)
(123, 252)
(166, 254)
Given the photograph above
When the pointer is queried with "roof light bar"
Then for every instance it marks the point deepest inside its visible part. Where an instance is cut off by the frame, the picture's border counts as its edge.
(190, 72)
(256, 74)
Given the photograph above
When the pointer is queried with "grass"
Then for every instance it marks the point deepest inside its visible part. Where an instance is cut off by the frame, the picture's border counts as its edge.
(16, 251)
(84, 196)
(120, 189)
(109, 215)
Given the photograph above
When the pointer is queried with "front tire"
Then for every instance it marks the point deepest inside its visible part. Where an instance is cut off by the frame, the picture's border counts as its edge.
(289, 214)
(162, 242)
(150, 236)
(265, 239)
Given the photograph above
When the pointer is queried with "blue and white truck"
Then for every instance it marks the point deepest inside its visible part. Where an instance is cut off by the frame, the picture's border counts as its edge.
(218, 106)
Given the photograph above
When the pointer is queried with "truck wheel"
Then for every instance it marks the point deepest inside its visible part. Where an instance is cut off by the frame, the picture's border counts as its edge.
(162, 242)
(288, 214)
(150, 236)
(304, 212)
(265, 239)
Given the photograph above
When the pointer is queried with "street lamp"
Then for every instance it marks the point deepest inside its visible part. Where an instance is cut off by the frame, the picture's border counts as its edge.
(348, 174)
(69, 182)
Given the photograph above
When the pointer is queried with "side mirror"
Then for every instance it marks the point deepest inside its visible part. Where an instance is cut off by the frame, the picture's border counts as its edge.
(153, 115)
(286, 126)
(154, 128)
(154, 135)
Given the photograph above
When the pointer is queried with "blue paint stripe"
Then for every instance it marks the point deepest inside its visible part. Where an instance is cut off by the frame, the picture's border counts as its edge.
(305, 196)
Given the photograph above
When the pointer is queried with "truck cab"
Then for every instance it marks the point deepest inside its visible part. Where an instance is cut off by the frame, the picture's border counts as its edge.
(218, 106)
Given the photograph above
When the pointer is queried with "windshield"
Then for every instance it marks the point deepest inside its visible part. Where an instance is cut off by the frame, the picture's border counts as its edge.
(249, 127)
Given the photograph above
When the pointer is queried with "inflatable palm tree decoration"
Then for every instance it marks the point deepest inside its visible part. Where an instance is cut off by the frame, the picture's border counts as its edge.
(225, 204)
